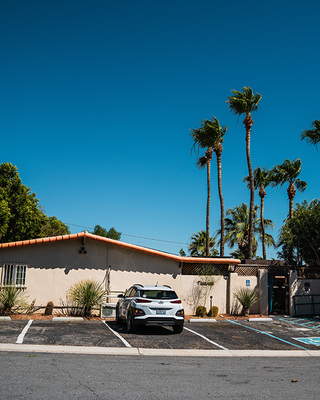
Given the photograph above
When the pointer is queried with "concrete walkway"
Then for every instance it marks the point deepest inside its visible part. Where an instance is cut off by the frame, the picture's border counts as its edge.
(133, 351)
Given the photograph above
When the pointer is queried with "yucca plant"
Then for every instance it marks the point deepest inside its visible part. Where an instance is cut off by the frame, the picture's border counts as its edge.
(9, 297)
(247, 298)
(87, 294)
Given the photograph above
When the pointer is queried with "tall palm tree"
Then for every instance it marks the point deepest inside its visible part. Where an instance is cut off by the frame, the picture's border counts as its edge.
(288, 172)
(237, 229)
(197, 247)
(312, 135)
(210, 136)
(262, 178)
(245, 103)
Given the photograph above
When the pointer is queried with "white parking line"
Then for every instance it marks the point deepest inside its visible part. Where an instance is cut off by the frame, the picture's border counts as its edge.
(205, 338)
(24, 331)
(119, 336)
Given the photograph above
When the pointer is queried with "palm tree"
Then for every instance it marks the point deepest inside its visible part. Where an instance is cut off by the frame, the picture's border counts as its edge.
(210, 136)
(312, 135)
(262, 178)
(197, 247)
(245, 103)
(288, 172)
(237, 229)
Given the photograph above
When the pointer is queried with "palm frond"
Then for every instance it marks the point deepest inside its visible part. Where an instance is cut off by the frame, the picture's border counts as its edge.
(244, 102)
(312, 135)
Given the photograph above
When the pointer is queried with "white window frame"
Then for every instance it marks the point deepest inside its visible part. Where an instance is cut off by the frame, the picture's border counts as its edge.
(14, 274)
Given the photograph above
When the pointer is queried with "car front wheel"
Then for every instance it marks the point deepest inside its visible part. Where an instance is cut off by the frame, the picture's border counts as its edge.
(177, 328)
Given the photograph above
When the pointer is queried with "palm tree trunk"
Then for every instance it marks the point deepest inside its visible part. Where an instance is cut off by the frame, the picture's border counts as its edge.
(262, 194)
(218, 151)
(291, 193)
(248, 124)
(209, 157)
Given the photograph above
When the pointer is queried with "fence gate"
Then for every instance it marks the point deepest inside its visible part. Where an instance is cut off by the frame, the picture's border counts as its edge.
(306, 304)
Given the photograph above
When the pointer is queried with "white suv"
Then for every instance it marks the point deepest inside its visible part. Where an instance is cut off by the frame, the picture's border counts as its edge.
(150, 305)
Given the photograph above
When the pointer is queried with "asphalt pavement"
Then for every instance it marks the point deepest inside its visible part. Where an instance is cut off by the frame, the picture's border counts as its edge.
(280, 336)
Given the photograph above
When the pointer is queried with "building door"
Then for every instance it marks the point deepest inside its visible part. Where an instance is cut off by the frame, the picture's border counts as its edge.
(278, 293)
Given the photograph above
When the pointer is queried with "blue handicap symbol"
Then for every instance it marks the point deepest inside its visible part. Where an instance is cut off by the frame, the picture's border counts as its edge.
(310, 340)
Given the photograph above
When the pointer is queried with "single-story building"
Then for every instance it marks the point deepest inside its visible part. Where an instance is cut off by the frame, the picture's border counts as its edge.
(47, 267)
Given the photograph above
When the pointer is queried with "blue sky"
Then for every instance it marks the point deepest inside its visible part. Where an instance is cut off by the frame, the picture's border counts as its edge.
(98, 99)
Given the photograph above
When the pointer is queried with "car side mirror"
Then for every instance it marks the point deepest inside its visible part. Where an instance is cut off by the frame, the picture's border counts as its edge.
(121, 296)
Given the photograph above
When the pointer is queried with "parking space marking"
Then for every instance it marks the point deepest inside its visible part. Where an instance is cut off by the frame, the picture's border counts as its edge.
(205, 338)
(296, 322)
(118, 336)
(266, 333)
(309, 340)
(24, 331)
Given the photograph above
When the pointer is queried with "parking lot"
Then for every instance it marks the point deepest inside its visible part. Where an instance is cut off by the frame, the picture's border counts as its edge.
(282, 333)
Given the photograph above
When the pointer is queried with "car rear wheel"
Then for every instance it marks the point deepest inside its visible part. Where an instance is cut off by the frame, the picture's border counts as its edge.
(177, 328)
(130, 323)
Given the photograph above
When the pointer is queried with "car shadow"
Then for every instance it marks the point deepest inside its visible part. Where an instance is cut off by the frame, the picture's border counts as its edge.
(142, 330)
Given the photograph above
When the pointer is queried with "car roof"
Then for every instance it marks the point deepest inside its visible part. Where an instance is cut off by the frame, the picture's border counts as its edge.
(152, 287)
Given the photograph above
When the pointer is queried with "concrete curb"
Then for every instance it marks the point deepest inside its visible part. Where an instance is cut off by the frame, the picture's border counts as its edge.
(134, 351)
(260, 319)
(5, 319)
(202, 320)
(205, 320)
(67, 319)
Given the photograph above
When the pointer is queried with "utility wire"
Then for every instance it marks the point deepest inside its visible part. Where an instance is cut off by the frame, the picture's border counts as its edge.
(134, 236)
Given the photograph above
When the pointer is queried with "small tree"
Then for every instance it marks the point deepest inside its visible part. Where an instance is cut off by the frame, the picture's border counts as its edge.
(87, 294)
(112, 233)
(247, 298)
(9, 297)
(301, 234)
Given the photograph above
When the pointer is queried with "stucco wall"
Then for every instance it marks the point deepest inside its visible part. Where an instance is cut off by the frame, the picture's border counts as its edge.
(54, 267)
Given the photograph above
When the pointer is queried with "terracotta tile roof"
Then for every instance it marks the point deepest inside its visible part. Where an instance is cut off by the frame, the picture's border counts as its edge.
(200, 260)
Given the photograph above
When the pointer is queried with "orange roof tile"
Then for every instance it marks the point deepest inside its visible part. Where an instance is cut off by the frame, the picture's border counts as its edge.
(200, 260)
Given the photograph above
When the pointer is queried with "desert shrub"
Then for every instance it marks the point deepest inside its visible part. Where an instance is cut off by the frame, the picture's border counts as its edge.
(86, 294)
(49, 308)
(213, 312)
(9, 298)
(247, 298)
(201, 311)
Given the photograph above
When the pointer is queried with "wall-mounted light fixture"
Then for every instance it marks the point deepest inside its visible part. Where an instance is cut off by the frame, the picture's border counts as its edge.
(83, 250)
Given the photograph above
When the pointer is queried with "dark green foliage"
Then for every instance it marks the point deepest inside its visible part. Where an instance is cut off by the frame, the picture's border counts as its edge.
(302, 234)
(49, 308)
(201, 311)
(53, 227)
(213, 312)
(21, 217)
(112, 233)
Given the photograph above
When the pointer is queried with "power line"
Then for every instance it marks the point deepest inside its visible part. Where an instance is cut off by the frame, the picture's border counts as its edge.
(134, 236)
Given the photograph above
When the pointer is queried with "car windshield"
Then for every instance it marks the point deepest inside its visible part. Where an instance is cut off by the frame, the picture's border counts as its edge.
(158, 294)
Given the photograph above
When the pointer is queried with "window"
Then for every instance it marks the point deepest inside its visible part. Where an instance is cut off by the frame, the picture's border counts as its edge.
(14, 275)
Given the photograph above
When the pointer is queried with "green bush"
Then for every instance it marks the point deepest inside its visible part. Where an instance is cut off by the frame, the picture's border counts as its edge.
(86, 294)
(213, 312)
(201, 311)
(9, 297)
(247, 298)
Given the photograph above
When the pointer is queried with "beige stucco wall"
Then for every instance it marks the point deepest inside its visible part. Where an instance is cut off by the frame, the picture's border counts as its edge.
(54, 267)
